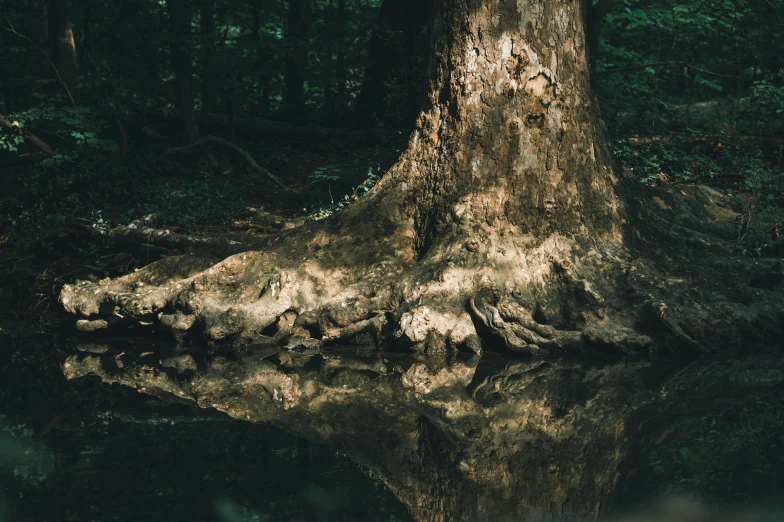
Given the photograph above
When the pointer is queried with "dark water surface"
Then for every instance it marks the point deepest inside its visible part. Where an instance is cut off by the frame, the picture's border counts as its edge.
(85, 450)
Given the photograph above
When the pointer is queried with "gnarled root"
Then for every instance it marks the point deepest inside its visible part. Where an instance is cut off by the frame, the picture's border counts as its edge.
(515, 326)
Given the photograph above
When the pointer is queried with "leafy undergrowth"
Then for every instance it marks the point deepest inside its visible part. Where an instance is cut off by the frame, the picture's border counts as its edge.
(750, 170)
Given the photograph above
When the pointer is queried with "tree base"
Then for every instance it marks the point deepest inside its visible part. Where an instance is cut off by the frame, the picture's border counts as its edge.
(342, 281)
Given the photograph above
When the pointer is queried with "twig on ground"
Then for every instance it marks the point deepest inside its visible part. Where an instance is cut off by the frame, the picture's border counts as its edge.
(242, 152)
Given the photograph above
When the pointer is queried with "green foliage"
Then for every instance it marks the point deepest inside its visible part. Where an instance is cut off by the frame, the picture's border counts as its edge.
(695, 52)
(10, 142)
(679, 80)
(78, 128)
(336, 206)
(22, 456)
(327, 173)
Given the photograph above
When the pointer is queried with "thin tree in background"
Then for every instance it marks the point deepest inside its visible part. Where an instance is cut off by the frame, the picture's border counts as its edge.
(180, 17)
(298, 21)
(62, 46)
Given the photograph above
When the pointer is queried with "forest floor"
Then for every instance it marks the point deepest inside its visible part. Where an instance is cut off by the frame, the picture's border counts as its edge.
(54, 233)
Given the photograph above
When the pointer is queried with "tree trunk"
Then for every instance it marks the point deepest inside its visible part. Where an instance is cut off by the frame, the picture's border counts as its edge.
(207, 26)
(45, 66)
(4, 96)
(62, 46)
(264, 79)
(180, 16)
(340, 63)
(297, 41)
(502, 225)
(593, 29)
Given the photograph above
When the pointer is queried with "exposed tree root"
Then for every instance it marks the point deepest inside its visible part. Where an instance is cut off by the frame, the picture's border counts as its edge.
(324, 283)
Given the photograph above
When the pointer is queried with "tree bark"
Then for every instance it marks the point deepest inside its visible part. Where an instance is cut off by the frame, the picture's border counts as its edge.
(62, 46)
(297, 41)
(180, 17)
(501, 227)
(264, 79)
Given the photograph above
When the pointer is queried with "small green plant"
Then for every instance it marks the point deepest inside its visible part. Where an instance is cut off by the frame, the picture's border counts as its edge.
(10, 142)
(336, 206)
(81, 124)
(328, 173)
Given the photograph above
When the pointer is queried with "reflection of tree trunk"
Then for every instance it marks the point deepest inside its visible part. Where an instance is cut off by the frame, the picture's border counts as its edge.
(207, 26)
(393, 55)
(62, 47)
(453, 441)
(180, 17)
(297, 41)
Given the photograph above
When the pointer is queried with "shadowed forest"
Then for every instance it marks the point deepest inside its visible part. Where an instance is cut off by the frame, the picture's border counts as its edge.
(503, 262)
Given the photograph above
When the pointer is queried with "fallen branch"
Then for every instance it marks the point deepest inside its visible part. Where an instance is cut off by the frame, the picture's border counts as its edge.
(28, 136)
(242, 152)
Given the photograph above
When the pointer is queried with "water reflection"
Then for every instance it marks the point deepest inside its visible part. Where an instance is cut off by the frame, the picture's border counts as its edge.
(460, 439)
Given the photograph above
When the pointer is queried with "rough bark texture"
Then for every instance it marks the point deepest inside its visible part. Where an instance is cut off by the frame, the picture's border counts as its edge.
(502, 224)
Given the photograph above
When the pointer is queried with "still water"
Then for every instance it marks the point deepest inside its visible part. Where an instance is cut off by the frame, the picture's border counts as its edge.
(140, 431)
